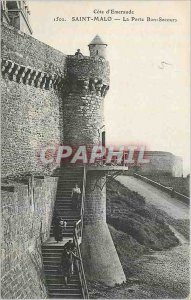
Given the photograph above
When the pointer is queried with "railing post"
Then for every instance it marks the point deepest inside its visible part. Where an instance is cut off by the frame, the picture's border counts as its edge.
(83, 199)
(77, 234)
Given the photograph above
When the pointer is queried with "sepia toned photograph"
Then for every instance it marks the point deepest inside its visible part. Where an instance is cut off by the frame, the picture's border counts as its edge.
(95, 149)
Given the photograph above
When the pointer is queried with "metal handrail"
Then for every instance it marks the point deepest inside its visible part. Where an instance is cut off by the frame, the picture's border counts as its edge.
(78, 235)
(168, 190)
(83, 199)
(81, 268)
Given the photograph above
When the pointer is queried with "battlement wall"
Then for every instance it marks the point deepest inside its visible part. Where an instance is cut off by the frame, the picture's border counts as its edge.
(27, 207)
(32, 101)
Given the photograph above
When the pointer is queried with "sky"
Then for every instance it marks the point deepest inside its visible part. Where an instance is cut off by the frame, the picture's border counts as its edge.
(149, 98)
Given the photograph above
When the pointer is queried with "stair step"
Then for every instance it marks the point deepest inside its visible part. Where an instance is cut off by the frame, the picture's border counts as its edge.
(69, 227)
(52, 264)
(74, 277)
(69, 235)
(75, 177)
(71, 230)
(62, 174)
(64, 206)
(64, 188)
(65, 198)
(70, 179)
(65, 202)
(60, 281)
(57, 248)
(55, 279)
(70, 218)
(68, 182)
(50, 261)
(62, 200)
(65, 291)
(65, 296)
(54, 250)
(51, 272)
(69, 210)
(64, 194)
(53, 247)
(69, 213)
(68, 286)
(65, 233)
(49, 258)
(75, 172)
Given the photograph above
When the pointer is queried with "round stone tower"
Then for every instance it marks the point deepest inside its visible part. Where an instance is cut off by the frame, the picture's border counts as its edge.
(86, 87)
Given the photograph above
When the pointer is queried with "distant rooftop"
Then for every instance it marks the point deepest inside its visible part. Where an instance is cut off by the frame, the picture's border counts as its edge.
(97, 41)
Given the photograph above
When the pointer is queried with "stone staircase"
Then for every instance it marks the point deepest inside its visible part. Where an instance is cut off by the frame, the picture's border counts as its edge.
(51, 250)
(55, 281)
(67, 179)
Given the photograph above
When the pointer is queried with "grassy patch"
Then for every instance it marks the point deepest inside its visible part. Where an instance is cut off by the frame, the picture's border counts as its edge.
(136, 228)
(128, 213)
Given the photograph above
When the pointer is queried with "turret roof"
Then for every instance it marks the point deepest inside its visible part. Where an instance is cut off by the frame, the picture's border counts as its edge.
(97, 41)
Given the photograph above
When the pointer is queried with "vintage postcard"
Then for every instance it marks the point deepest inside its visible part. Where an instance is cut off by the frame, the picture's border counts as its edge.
(95, 149)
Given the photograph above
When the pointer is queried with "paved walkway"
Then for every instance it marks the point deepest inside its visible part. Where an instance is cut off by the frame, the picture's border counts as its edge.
(172, 206)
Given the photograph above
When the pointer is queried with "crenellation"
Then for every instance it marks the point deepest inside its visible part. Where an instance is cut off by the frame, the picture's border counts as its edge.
(20, 74)
(16, 72)
(32, 77)
(27, 75)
